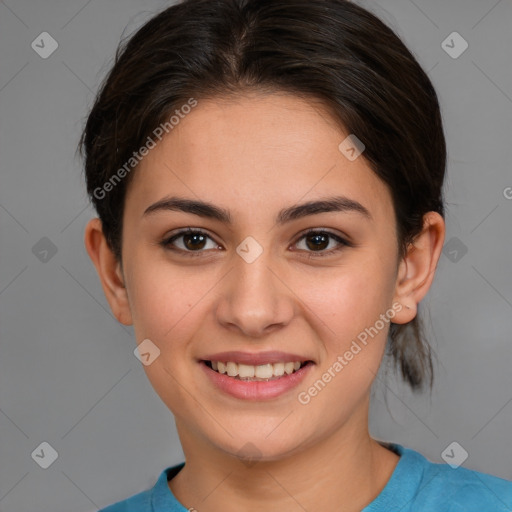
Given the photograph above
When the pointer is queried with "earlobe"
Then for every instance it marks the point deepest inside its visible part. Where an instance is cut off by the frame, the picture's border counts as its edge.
(109, 271)
(417, 268)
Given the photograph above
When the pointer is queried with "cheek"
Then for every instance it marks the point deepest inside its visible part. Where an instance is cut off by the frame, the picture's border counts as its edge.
(349, 298)
(348, 307)
(166, 300)
(168, 306)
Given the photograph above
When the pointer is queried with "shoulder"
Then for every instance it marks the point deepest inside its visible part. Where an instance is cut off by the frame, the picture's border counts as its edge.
(151, 500)
(139, 502)
(441, 487)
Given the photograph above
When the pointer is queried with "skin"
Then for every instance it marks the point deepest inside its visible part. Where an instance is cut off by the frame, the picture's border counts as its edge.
(254, 155)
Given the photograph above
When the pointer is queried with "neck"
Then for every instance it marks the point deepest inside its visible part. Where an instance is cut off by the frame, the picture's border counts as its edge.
(344, 471)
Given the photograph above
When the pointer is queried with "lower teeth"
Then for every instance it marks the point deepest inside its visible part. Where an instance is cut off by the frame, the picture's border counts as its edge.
(256, 379)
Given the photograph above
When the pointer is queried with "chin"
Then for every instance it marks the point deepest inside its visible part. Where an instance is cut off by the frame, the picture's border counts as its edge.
(251, 445)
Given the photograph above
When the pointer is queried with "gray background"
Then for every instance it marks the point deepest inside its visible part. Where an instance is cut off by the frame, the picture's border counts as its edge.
(68, 375)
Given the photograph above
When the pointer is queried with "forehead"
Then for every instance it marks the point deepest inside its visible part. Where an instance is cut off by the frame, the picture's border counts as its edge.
(256, 153)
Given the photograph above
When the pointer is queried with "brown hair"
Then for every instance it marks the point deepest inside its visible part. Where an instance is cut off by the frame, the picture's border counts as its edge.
(331, 50)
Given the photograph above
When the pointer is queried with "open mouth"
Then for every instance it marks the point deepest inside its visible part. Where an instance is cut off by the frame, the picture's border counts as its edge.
(261, 373)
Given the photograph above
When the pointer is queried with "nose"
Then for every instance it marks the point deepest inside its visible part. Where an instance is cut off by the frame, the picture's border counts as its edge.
(254, 299)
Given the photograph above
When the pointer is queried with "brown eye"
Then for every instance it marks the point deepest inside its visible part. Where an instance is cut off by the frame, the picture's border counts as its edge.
(194, 241)
(191, 241)
(317, 241)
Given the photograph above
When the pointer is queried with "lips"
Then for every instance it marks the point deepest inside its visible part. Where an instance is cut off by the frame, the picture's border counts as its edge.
(257, 358)
(256, 376)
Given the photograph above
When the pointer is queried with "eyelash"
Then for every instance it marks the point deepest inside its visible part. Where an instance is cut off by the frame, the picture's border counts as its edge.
(167, 243)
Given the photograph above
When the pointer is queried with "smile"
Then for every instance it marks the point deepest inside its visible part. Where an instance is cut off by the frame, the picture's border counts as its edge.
(255, 382)
(255, 373)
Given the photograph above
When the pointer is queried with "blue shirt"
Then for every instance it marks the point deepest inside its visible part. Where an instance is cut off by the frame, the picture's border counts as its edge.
(416, 485)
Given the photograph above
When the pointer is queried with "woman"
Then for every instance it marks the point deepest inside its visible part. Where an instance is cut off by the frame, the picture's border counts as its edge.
(268, 178)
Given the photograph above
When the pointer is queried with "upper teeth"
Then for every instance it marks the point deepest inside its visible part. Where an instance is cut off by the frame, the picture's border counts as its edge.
(263, 371)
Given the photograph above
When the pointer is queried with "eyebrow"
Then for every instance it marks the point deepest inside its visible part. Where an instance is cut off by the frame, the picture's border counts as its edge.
(208, 210)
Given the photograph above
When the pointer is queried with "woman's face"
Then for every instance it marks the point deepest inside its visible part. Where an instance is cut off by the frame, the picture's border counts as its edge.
(256, 286)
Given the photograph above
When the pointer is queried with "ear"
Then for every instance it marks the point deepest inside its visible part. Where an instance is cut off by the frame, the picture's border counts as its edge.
(417, 268)
(109, 271)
